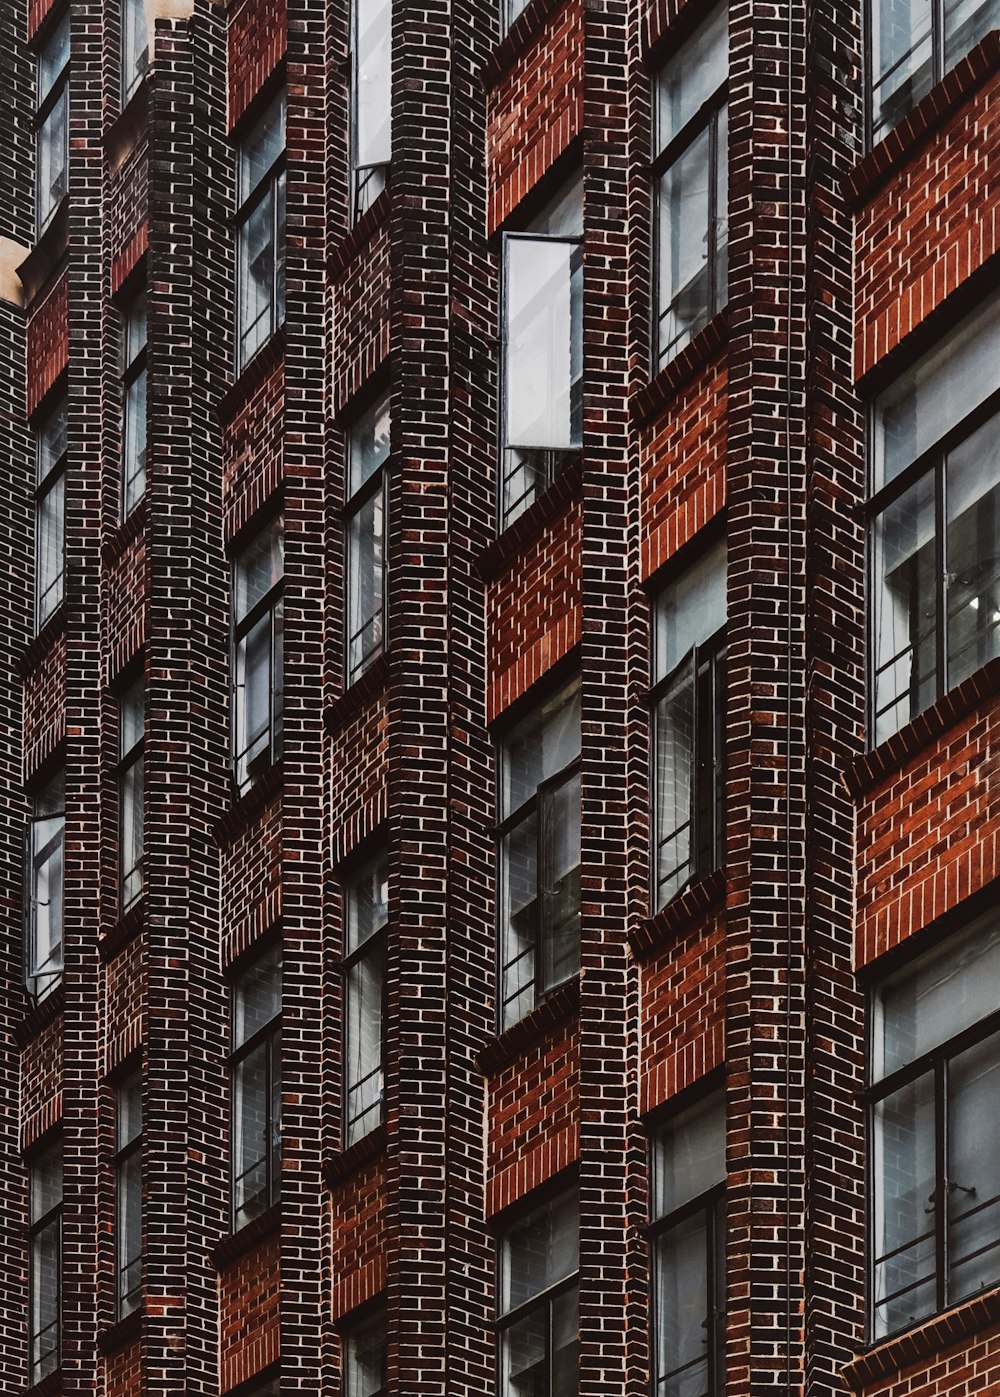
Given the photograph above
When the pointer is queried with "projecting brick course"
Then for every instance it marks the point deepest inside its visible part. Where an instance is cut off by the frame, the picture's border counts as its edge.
(257, 41)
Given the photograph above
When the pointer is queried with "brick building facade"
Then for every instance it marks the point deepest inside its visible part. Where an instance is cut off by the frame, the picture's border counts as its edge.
(501, 730)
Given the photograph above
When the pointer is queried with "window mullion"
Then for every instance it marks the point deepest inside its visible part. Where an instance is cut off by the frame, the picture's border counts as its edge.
(941, 1180)
(941, 589)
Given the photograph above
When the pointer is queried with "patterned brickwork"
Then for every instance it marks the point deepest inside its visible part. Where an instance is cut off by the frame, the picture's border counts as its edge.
(249, 1315)
(361, 315)
(48, 343)
(358, 1238)
(45, 708)
(682, 1031)
(257, 41)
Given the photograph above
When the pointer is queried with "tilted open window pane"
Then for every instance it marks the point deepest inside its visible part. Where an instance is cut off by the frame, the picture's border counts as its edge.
(135, 46)
(366, 522)
(134, 396)
(129, 1189)
(258, 697)
(371, 101)
(52, 60)
(256, 1089)
(538, 1297)
(50, 514)
(44, 912)
(365, 1357)
(260, 235)
(367, 912)
(52, 160)
(132, 722)
(45, 1261)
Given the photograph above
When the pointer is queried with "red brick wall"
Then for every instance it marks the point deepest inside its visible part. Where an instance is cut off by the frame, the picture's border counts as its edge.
(258, 33)
(683, 458)
(45, 707)
(969, 1367)
(251, 882)
(124, 1375)
(361, 318)
(683, 1003)
(533, 612)
(125, 998)
(928, 228)
(128, 205)
(125, 581)
(47, 352)
(249, 1314)
(535, 111)
(252, 452)
(359, 756)
(533, 1112)
(929, 834)
(359, 1241)
(41, 1083)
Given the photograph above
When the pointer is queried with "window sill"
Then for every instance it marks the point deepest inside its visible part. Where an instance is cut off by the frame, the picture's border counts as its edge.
(651, 399)
(125, 534)
(249, 806)
(254, 374)
(693, 902)
(117, 1335)
(503, 552)
(528, 25)
(128, 127)
(371, 685)
(261, 1229)
(45, 260)
(341, 1166)
(38, 1017)
(37, 649)
(872, 767)
(47, 1387)
(356, 239)
(125, 931)
(562, 1005)
(955, 88)
(925, 1341)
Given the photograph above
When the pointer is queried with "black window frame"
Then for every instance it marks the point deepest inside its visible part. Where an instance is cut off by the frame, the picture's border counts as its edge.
(32, 972)
(270, 185)
(53, 478)
(271, 602)
(707, 117)
(267, 1036)
(127, 1298)
(360, 176)
(37, 1372)
(372, 949)
(378, 482)
(131, 763)
(371, 1318)
(45, 105)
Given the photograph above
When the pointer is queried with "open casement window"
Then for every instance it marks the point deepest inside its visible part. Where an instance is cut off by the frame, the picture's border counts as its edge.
(128, 1185)
(371, 101)
(257, 654)
(131, 806)
(260, 233)
(539, 835)
(934, 1130)
(255, 1067)
(689, 695)
(935, 524)
(365, 524)
(45, 1179)
(44, 891)
(52, 124)
(134, 404)
(367, 914)
(50, 514)
(912, 44)
(688, 1244)
(542, 350)
(135, 46)
(691, 191)
(538, 1292)
(365, 1346)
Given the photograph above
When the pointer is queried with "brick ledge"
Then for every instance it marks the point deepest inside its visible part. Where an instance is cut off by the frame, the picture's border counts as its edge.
(48, 1386)
(561, 1005)
(519, 37)
(117, 1335)
(362, 235)
(652, 398)
(37, 649)
(503, 552)
(926, 1341)
(124, 932)
(260, 368)
(39, 1016)
(238, 819)
(680, 913)
(370, 686)
(340, 1167)
(261, 1229)
(117, 544)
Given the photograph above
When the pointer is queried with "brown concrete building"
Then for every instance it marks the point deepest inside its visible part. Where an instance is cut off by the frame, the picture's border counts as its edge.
(501, 721)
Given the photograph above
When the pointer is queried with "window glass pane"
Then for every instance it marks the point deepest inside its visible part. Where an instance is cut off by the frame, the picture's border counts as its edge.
(134, 435)
(566, 1344)
(363, 1067)
(965, 23)
(45, 1300)
(49, 554)
(683, 222)
(365, 577)
(540, 1249)
(695, 72)
(257, 997)
(937, 393)
(562, 216)
(51, 442)
(906, 621)
(680, 1268)
(560, 883)
(520, 917)
(540, 746)
(261, 148)
(132, 821)
(129, 1112)
(690, 1156)
(902, 67)
(52, 58)
(974, 1169)
(674, 730)
(46, 1182)
(973, 552)
(52, 160)
(132, 717)
(45, 955)
(373, 37)
(904, 1206)
(367, 902)
(135, 46)
(522, 1356)
(691, 610)
(543, 343)
(136, 334)
(368, 444)
(251, 1134)
(130, 1232)
(253, 678)
(259, 568)
(255, 258)
(944, 993)
(365, 1358)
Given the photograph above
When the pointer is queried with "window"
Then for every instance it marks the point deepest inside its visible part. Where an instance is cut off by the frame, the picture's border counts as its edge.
(365, 1356)
(934, 1132)
(45, 1262)
(688, 1244)
(258, 668)
(134, 404)
(135, 46)
(539, 1326)
(542, 350)
(935, 523)
(128, 1187)
(256, 1089)
(131, 732)
(689, 660)
(52, 125)
(365, 527)
(50, 514)
(367, 913)
(509, 12)
(371, 101)
(260, 233)
(540, 853)
(913, 43)
(44, 911)
(690, 168)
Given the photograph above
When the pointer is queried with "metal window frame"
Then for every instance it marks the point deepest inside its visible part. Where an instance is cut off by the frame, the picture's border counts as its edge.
(265, 188)
(375, 944)
(356, 184)
(124, 1153)
(542, 1302)
(128, 89)
(711, 1204)
(554, 460)
(377, 482)
(32, 975)
(36, 1226)
(238, 630)
(370, 1316)
(43, 488)
(269, 1035)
